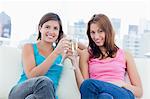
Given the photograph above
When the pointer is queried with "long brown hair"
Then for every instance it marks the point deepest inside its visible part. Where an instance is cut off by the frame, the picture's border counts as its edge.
(48, 17)
(109, 44)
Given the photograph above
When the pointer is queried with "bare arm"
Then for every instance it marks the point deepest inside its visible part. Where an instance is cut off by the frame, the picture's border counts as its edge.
(81, 71)
(81, 46)
(29, 64)
(136, 85)
(83, 63)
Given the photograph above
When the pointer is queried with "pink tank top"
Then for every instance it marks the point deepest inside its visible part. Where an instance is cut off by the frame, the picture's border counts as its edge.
(109, 70)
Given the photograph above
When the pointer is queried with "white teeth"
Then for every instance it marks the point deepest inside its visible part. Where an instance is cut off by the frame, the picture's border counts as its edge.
(49, 36)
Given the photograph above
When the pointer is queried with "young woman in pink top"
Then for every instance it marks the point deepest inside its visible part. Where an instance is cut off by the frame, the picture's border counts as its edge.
(102, 66)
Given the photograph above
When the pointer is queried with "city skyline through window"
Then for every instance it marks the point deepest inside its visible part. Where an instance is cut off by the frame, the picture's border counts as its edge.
(127, 17)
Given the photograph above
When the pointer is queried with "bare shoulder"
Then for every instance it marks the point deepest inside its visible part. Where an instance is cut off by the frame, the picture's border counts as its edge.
(82, 46)
(129, 59)
(85, 53)
(84, 56)
(27, 48)
(27, 55)
(128, 54)
(28, 45)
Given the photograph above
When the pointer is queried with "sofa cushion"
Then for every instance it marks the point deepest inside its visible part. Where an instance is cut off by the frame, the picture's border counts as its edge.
(10, 69)
(67, 88)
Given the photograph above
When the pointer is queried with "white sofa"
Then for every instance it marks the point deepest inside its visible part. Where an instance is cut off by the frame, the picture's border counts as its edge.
(10, 70)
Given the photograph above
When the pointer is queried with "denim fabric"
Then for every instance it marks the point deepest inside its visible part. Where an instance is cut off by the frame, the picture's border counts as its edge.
(96, 89)
(105, 96)
(35, 88)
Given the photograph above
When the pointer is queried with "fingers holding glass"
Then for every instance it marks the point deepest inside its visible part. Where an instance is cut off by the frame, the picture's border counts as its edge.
(69, 49)
(74, 48)
(64, 46)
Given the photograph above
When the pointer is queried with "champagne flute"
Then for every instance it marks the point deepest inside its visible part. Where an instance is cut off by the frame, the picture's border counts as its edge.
(62, 59)
(74, 47)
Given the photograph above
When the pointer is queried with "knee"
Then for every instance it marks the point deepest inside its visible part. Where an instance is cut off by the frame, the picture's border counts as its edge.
(12, 93)
(105, 96)
(85, 85)
(46, 81)
(31, 96)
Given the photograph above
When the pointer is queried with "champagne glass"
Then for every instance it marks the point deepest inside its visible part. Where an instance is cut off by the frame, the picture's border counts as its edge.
(74, 47)
(62, 59)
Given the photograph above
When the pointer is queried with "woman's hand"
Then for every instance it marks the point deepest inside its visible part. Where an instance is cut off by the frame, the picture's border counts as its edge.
(122, 84)
(63, 47)
(74, 58)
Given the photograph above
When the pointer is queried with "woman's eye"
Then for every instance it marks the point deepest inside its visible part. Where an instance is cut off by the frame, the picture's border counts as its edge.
(47, 27)
(99, 31)
(55, 28)
(92, 32)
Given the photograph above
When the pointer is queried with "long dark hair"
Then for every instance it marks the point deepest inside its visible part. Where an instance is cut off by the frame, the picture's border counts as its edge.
(104, 23)
(48, 17)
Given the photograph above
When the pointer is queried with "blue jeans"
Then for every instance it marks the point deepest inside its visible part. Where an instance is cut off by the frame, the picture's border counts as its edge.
(96, 89)
(35, 88)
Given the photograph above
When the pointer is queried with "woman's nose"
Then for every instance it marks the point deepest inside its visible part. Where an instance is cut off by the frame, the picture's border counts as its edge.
(50, 31)
(96, 35)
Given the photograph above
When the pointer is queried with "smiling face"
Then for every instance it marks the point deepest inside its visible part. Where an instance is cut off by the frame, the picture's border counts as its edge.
(101, 36)
(50, 31)
(97, 35)
(50, 28)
